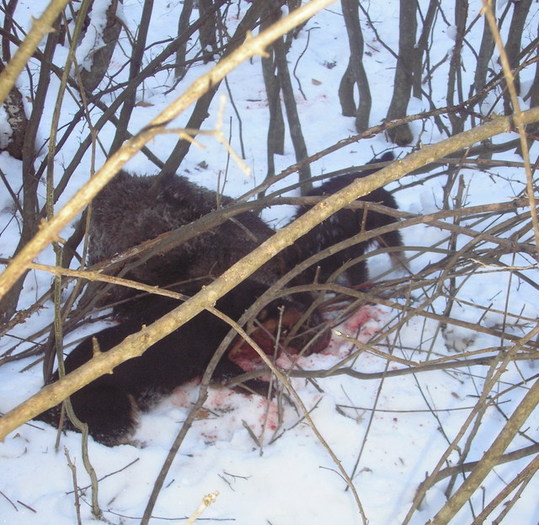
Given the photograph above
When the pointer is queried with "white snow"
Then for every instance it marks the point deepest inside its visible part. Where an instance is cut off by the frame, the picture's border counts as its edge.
(387, 433)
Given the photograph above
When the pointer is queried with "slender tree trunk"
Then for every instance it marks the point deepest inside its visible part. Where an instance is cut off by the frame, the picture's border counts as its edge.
(9, 10)
(514, 44)
(484, 57)
(422, 47)
(294, 124)
(134, 70)
(30, 202)
(17, 120)
(533, 96)
(402, 134)
(101, 57)
(276, 128)
(454, 81)
(276, 119)
(183, 24)
(346, 92)
(208, 32)
(355, 72)
(533, 93)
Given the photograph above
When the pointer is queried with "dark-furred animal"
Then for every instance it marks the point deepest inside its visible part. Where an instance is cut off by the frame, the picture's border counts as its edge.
(132, 209)
(110, 404)
(345, 224)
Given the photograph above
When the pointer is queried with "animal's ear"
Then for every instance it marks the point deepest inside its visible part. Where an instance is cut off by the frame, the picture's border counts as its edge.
(386, 157)
(280, 318)
(272, 311)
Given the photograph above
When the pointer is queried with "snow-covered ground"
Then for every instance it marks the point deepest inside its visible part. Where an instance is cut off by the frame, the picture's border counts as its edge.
(387, 433)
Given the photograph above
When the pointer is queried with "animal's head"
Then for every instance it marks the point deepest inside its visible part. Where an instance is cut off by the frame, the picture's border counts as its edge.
(282, 327)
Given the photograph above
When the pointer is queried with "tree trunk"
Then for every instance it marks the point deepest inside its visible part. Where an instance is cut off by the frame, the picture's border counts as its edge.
(422, 46)
(294, 124)
(454, 81)
(134, 69)
(276, 129)
(402, 134)
(30, 203)
(484, 57)
(208, 31)
(513, 46)
(9, 10)
(17, 120)
(355, 72)
(183, 24)
(101, 57)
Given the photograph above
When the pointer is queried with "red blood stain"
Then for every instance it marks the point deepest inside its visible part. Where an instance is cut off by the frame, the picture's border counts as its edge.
(361, 325)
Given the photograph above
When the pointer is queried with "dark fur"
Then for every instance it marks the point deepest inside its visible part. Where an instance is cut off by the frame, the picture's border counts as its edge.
(129, 211)
(345, 224)
(109, 405)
